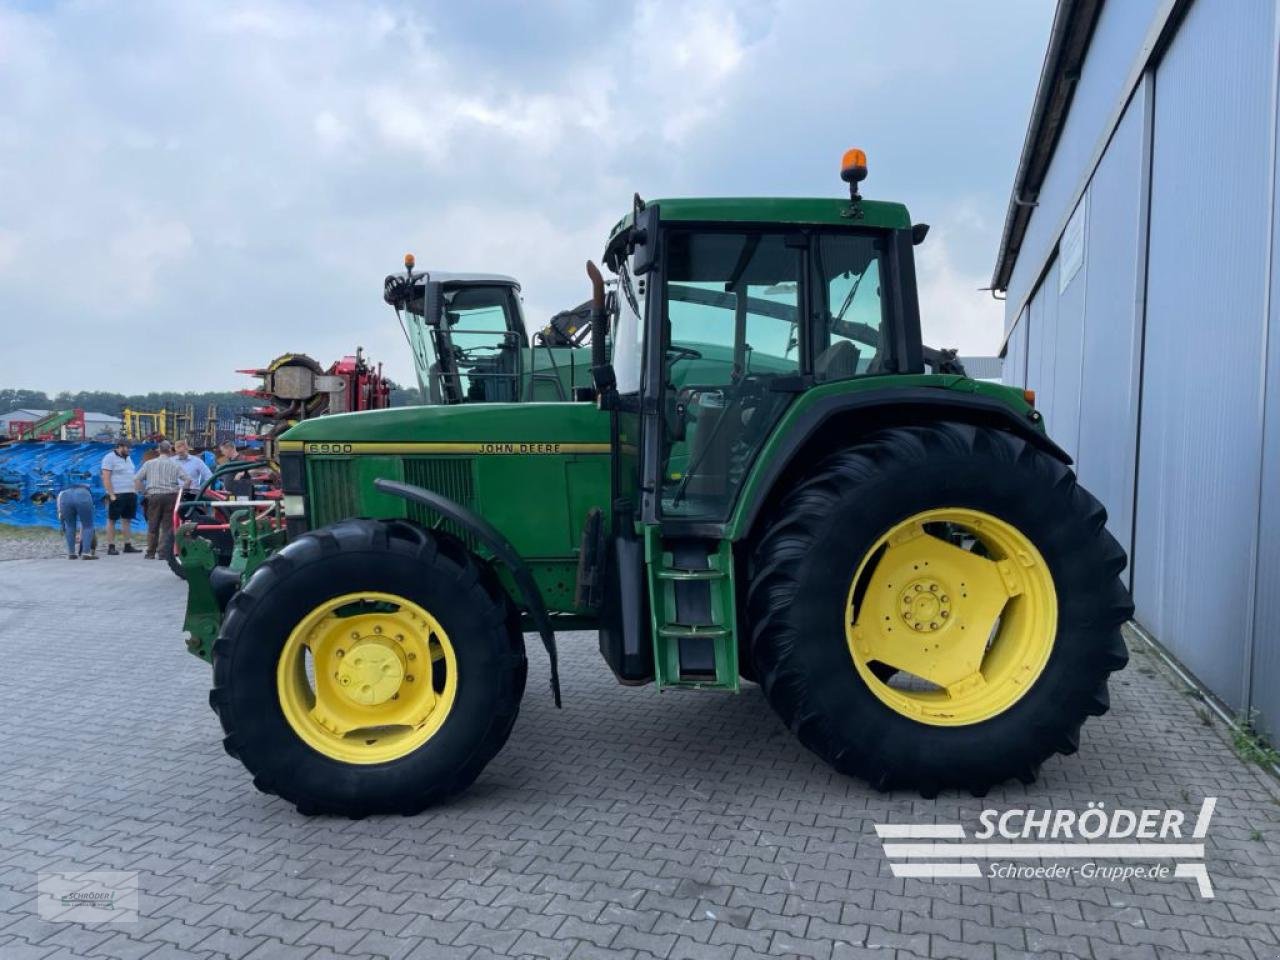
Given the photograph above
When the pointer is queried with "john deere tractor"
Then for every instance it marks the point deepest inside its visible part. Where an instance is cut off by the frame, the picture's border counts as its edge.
(467, 335)
(766, 484)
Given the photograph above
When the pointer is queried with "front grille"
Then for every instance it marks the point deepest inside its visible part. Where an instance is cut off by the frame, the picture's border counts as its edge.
(450, 477)
(333, 491)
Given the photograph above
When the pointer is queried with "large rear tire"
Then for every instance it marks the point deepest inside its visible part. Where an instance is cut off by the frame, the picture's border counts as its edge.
(937, 607)
(368, 667)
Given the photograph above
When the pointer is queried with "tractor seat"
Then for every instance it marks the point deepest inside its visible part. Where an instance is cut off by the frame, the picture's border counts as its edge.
(838, 362)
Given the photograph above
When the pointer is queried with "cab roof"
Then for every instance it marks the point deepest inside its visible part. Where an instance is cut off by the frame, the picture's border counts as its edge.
(804, 210)
(459, 279)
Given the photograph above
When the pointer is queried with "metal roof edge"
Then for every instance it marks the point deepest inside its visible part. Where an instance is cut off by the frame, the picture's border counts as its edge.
(1069, 39)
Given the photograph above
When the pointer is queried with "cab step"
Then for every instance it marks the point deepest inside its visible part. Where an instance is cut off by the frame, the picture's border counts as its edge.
(691, 594)
(679, 573)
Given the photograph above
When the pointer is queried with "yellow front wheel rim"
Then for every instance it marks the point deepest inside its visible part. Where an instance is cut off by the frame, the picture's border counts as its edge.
(367, 677)
(951, 616)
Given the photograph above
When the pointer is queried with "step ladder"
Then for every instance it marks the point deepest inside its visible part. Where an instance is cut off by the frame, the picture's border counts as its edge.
(691, 594)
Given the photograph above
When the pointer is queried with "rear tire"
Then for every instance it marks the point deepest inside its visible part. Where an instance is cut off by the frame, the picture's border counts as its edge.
(429, 572)
(828, 527)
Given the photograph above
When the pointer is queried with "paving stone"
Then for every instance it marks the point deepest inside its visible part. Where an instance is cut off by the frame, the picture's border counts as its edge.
(627, 827)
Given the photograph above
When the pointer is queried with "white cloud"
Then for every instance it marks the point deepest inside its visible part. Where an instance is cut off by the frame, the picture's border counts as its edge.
(688, 54)
(10, 244)
(137, 255)
(259, 167)
(954, 311)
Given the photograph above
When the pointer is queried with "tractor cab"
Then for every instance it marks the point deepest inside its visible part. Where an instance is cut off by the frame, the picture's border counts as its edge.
(469, 341)
(729, 309)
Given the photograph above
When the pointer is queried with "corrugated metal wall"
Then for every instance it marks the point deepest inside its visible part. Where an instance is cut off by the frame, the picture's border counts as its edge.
(1199, 441)
(1109, 391)
(1041, 336)
(1265, 652)
(1167, 323)
(1066, 341)
(1015, 358)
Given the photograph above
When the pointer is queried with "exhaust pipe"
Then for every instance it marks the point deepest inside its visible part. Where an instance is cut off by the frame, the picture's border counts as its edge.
(597, 317)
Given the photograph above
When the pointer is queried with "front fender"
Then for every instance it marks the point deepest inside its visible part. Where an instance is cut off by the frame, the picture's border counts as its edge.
(502, 550)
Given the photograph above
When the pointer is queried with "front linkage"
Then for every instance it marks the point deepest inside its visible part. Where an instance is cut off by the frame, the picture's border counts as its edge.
(209, 583)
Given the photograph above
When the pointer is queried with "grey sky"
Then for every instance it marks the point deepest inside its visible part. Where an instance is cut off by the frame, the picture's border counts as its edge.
(186, 189)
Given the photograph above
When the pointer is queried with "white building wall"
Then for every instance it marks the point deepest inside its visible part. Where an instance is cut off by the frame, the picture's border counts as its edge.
(1199, 456)
(1108, 407)
(1154, 365)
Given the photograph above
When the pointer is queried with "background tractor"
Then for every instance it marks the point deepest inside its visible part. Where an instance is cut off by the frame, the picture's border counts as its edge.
(470, 345)
(767, 484)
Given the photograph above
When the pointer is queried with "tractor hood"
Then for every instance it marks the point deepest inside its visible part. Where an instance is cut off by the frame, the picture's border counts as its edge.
(519, 423)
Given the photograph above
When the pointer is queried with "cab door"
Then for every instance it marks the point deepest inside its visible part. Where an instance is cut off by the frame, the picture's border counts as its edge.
(733, 327)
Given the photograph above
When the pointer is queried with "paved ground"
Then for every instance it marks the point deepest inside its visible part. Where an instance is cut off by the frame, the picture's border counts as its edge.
(626, 825)
(33, 543)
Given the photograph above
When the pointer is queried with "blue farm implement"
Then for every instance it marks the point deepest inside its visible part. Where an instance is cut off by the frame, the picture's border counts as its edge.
(32, 474)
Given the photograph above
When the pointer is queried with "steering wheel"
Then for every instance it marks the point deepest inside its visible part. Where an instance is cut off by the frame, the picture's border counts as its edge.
(677, 353)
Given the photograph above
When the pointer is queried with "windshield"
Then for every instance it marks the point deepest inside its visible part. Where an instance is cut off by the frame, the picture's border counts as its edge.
(628, 331)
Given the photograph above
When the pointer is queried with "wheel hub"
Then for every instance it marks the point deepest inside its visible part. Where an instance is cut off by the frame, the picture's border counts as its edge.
(975, 627)
(925, 605)
(370, 672)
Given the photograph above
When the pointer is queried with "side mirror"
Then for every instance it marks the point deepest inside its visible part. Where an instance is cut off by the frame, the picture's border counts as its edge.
(644, 241)
(432, 303)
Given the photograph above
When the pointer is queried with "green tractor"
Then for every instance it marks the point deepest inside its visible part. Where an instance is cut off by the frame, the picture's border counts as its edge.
(768, 483)
(467, 334)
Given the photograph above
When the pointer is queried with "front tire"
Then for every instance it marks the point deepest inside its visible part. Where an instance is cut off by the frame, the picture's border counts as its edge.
(937, 607)
(368, 667)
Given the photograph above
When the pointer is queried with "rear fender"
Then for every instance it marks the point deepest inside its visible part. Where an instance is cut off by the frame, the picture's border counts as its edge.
(840, 418)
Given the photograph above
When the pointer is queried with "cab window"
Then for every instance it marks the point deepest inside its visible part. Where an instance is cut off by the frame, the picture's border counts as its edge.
(850, 305)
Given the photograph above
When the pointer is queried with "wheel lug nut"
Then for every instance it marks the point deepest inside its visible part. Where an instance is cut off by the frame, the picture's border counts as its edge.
(413, 656)
(944, 614)
(919, 626)
(933, 626)
(342, 653)
(933, 588)
(408, 677)
(354, 635)
(377, 629)
(399, 638)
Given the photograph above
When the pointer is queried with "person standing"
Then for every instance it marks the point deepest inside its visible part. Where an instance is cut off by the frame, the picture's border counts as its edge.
(75, 507)
(194, 468)
(122, 501)
(160, 479)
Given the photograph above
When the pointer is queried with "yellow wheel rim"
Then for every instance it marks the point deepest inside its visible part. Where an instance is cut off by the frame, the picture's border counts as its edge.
(367, 677)
(951, 616)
